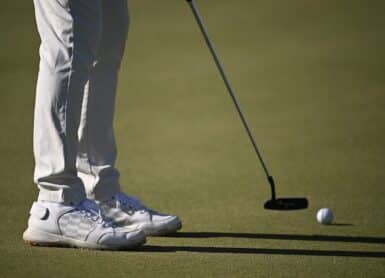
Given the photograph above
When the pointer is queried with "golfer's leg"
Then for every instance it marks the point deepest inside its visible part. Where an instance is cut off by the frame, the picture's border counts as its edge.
(69, 32)
(97, 152)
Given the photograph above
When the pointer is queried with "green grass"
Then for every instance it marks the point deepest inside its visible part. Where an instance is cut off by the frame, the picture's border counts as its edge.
(310, 76)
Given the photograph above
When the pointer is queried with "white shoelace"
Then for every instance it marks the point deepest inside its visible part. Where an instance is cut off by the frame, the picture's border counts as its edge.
(130, 204)
(92, 211)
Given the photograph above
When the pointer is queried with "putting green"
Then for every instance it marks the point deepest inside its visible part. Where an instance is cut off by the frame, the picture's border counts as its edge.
(310, 76)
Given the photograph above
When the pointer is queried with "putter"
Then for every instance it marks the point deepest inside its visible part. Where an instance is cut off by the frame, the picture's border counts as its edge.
(274, 203)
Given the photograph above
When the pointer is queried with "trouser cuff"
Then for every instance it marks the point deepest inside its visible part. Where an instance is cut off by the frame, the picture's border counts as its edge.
(72, 195)
(103, 192)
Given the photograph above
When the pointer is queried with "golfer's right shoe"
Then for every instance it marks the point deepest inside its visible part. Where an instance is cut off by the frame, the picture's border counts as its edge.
(129, 211)
(82, 225)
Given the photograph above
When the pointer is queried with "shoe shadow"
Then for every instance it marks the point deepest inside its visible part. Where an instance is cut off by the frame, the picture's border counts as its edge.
(261, 251)
(336, 238)
(269, 251)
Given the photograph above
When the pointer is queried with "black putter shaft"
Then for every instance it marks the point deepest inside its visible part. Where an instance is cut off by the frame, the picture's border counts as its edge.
(232, 93)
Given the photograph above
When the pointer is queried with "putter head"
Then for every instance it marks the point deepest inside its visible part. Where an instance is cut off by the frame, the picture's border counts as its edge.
(287, 204)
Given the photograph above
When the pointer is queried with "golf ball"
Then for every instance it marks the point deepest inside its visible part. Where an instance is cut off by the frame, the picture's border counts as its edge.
(325, 216)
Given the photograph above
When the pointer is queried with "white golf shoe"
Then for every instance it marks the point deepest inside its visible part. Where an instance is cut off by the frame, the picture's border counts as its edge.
(131, 212)
(82, 225)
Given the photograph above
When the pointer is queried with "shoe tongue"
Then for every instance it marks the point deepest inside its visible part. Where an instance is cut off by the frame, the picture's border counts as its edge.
(133, 201)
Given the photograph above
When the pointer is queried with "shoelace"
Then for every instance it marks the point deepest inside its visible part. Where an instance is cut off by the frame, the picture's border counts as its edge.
(92, 211)
(130, 204)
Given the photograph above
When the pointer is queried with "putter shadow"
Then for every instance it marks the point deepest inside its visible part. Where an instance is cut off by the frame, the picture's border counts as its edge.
(262, 251)
(358, 239)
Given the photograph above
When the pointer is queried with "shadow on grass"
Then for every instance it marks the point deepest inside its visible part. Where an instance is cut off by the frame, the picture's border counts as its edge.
(262, 251)
(359, 239)
(268, 251)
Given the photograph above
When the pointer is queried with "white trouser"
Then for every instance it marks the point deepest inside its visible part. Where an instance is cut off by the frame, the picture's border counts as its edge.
(82, 44)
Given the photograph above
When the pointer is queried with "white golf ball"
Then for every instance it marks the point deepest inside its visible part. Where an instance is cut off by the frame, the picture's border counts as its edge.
(325, 216)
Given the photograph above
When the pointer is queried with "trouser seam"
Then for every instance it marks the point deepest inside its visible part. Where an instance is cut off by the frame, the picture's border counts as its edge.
(69, 86)
(87, 132)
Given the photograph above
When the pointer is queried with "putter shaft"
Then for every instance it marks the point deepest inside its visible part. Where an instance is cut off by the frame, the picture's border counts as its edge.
(230, 89)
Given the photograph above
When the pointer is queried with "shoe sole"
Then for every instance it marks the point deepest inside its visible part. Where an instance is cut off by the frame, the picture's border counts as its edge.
(168, 227)
(36, 237)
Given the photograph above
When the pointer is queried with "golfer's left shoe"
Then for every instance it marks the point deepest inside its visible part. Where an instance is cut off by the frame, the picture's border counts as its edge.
(130, 211)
